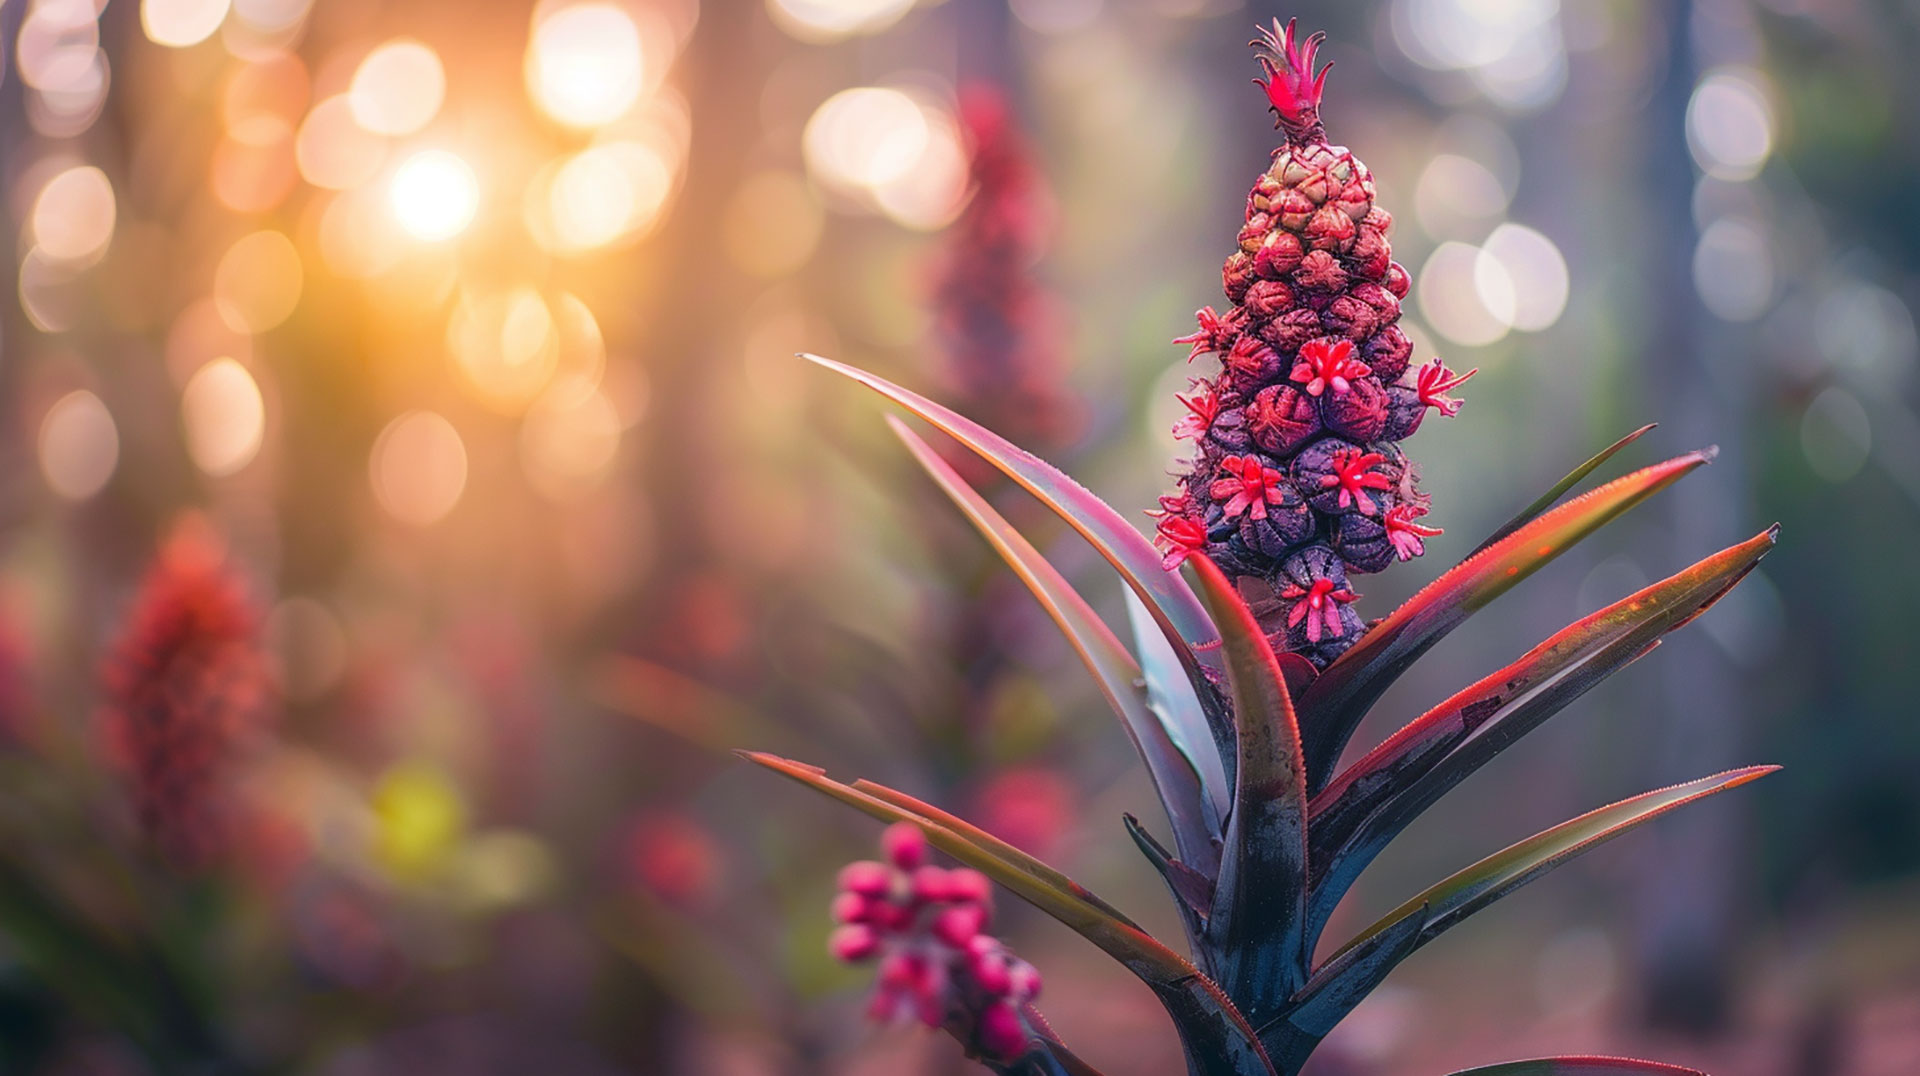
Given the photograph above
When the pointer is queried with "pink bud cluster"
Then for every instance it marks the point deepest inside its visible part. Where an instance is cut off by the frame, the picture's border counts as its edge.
(924, 926)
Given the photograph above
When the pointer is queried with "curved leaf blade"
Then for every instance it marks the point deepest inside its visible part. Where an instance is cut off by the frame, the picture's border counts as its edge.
(1371, 801)
(1560, 488)
(1335, 703)
(1173, 605)
(1581, 1066)
(1173, 700)
(1465, 892)
(1258, 921)
(1113, 668)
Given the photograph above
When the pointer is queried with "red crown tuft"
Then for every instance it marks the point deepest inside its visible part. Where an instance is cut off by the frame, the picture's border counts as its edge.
(1292, 85)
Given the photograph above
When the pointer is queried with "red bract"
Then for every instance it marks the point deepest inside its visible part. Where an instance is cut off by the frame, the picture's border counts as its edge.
(186, 688)
(924, 928)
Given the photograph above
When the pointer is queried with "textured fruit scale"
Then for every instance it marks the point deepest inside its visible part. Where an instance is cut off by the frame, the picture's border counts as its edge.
(1299, 480)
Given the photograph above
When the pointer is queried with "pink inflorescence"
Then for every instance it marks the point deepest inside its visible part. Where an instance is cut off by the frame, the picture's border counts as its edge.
(924, 927)
(1297, 479)
(186, 688)
(996, 321)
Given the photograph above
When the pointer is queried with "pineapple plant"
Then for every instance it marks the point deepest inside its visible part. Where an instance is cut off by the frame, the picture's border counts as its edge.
(1251, 669)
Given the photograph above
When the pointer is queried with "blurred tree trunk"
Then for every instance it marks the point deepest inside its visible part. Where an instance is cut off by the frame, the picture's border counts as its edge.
(1687, 902)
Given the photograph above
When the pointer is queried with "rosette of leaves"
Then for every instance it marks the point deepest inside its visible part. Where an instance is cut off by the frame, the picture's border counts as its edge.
(1242, 742)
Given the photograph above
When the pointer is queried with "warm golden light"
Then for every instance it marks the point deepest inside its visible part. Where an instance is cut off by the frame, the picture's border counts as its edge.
(830, 20)
(606, 193)
(569, 440)
(73, 216)
(419, 468)
(223, 416)
(861, 138)
(434, 195)
(583, 65)
(505, 346)
(357, 238)
(258, 282)
(199, 334)
(253, 167)
(179, 23)
(79, 445)
(333, 150)
(772, 224)
(398, 88)
(275, 87)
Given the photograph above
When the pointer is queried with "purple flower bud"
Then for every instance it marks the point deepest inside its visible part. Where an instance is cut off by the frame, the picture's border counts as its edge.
(1359, 414)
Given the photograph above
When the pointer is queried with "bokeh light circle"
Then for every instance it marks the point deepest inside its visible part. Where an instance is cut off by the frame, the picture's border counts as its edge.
(79, 445)
(224, 417)
(418, 468)
(434, 195)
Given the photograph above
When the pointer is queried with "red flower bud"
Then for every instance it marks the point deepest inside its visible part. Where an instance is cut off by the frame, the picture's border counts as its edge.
(1000, 1032)
(865, 877)
(904, 845)
(853, 943)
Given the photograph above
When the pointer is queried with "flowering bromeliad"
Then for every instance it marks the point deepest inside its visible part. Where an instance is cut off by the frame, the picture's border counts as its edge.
(925, 929)
(1249, 671)
(1315, 386)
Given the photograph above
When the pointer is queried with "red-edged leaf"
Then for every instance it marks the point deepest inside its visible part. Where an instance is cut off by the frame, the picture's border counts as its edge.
(1581, 1066)
(1173, 605)
(1371, 801)
(1112, 666)
(1260, 898)
(1336, 702)
(1472, 889)
(1206, 1019)
(1560, 488)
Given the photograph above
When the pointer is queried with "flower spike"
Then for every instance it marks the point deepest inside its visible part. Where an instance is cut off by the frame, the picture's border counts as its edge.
(1293, 87)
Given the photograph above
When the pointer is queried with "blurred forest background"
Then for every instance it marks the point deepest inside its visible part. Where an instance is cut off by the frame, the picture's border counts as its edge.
(423, 373)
